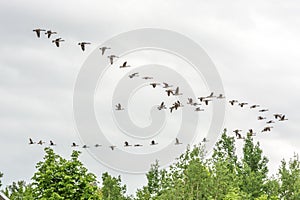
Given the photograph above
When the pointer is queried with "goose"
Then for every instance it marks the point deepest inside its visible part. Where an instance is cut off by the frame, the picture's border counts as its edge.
(251, 132)
(112, 147)
(190, 101)
(124, 65)
(268, 128)
(177, 104)
(254, 106)
(38, 31)
(232, 102)
(40, 142)
(277, 116)
(85, 146)
(103, 49)
(136, 74)
(221, 96)
(154, 84)
(171, 109)
(260, 118)
(205, 140)
(166, 85)
(206, 101)
(31, 141)
(74, 145)
(52, 143)
(97, 145)
(111, 58)
(177, 142)
(119, 107)
(162, 106)
(270, 122)
(239, 136)
(57, 41)
(263, 110)
(211, 95)
(242, 104)
(153, 143)
(169, 92)
(49, 33)
(126, 144)
(82, 45)
(282, 118)
(237, 132)
(138, 145)
(147, 77)
(199, 109)
(201, 98)
(177, 92)
(196, 104)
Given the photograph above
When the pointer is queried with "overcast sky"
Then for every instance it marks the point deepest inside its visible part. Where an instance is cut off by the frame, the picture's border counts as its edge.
(255, 46)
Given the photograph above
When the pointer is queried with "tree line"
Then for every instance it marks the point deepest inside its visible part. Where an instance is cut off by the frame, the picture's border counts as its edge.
(193, 176)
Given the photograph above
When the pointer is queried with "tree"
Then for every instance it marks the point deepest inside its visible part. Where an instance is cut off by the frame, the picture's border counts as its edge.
(58, 178)
(19, 190)
(289, 177)
(112, 188)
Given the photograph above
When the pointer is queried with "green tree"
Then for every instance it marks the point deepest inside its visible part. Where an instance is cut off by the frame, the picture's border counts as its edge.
(112, 188)
(19, 190)
(57, 178)
(289, 176)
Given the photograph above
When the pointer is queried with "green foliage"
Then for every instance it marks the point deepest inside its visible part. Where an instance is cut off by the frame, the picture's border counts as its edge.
(19, 190)
(58, 178)
(112, 188)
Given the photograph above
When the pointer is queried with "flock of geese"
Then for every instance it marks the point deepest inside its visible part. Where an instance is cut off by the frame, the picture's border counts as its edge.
(170, 91)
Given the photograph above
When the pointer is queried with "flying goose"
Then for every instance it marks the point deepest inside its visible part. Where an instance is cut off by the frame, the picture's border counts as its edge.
(74, 145)
(199, 109)
(57, 41)
(111, 58)
(119, 107)
(282, 118)
(126, 144)
(206, 101)
(82, 45)
(196, 104)
(205, 140)
(177, 142)
(153, 143)
(277, 116)
(154, 84)
(221, 96)
(136, 74)
(254, 106)
(177, 92)
(124, 65)
(38, 31)
(190, 101)
(211, 95)
(166, 85)
(169, 92)
(263, 110)
(97, 145)
(239, 136)
(103, 49)
(268, 128)
(40, 142)
(137, 145)
(242, 104)
(85, 146)
(261, 118)
(162, 106)
(201, 98)
(31, 141)
(232, 102)
(147, 77)
(49, 33)
(251, 132)
(270, 122)
(52, 143)
(237, 132)
(112, 147)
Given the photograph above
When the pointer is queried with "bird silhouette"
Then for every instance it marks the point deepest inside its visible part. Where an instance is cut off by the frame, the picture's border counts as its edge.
(136, 74)
(31, 141)
(177, 142)
(85, 146)
(166, 85)
(277, 116)
(124, 65)
(98, 145)
(38, 31)
(40, 142)
(254, 106)
(138, 145)
(147, 77)
(221, 96)
(112, 147)
(242, 104)
(111, 58)
(190, 101)
(153, 143)
(154, 84)
(261, 118)
(205, 140)
(177, 92)
(201, 98)
(206, 101)
(119, 107)
(74, 145)
(162, 106)
(232, 102)
(103, 49)
(270, 122)
(82, 45)
(237, 132)
(282, 118)
(268, 128)
(199, 109)
(251, 132)
(211, 95)
(57, 41)
(52, 143)
(49, 33)
(126, 144)
(169, 92)
(263, 110)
